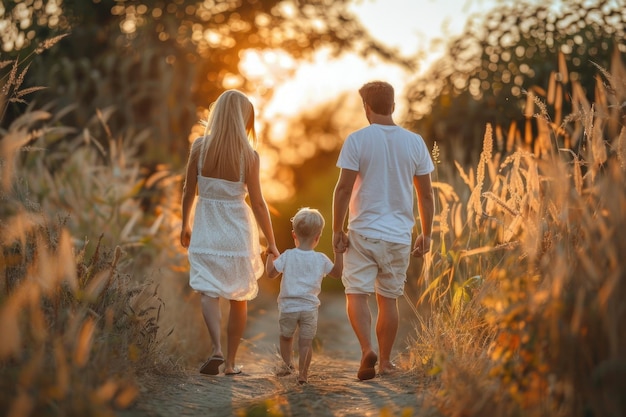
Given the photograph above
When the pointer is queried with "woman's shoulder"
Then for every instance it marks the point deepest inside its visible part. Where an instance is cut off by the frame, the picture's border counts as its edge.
(197, 143)
(254, 162)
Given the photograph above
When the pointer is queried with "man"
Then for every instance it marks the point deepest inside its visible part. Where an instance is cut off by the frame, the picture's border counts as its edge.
(380, 165)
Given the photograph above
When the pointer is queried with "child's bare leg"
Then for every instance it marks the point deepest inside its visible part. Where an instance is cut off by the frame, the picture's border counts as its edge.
(286, 350)
(305, 348)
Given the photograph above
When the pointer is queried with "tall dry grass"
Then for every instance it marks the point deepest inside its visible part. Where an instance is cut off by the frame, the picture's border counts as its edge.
(528, 278)
(81, 232)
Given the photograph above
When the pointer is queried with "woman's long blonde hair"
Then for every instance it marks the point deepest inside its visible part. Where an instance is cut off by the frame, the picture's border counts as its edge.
(229, 134)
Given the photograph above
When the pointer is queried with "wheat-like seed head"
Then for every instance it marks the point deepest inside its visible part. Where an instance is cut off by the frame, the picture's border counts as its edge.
(511, 210)
(543, 110)
(443, 217)
(474, 203)
(488, 143)
(436, 153)
(578, 176)
(49, 43)
(10, 82)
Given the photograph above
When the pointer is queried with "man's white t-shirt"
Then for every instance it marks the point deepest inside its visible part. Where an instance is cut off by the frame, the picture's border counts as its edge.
(303, 271)
(386, 158)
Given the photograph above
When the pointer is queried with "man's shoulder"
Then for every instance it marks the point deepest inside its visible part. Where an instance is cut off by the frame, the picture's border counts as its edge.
(406, 131)
(375, 128)
(361, 131)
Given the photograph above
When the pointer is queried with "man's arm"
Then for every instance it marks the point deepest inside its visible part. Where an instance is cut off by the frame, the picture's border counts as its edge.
(341, 201)
(426, 206)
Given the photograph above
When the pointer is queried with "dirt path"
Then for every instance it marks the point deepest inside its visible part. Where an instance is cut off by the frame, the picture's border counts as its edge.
(333, 389)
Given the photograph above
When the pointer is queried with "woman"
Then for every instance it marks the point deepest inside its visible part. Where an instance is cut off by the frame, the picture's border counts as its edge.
(223, 245)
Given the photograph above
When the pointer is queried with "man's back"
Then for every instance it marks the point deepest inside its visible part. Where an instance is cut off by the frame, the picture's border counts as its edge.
(387, 157)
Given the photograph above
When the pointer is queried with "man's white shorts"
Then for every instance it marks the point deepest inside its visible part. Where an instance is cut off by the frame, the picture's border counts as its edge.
(374, 265)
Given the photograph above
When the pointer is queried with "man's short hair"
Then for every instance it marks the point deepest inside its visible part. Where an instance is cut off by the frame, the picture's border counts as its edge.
(379, 96)
(307, 223)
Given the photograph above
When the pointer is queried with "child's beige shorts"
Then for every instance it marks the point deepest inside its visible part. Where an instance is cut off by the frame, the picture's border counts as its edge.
(374, 265)
(307, 320)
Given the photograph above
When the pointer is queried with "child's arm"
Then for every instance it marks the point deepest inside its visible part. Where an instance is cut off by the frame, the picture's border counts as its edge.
(338, 265)
(270, 269)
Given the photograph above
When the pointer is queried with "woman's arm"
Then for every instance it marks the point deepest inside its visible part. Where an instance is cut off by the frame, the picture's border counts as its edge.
(259, 206)
(189, 193)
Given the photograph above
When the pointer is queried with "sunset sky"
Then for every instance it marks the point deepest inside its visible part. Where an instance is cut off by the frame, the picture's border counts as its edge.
(410, 26)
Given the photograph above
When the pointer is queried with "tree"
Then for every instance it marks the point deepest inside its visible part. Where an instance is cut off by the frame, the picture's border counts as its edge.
(150, 65)
(512, 50)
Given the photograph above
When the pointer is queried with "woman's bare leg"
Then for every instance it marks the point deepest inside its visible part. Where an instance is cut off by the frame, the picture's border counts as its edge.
(237, 319)
(213, 320)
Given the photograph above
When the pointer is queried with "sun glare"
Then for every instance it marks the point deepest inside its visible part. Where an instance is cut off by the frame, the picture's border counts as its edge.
(267, 67)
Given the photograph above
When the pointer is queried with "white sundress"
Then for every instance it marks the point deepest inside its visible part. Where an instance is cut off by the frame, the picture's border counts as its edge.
(224, 252)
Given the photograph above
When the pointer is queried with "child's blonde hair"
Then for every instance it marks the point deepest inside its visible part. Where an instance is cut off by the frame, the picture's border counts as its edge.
(229, 133)
(307, 223)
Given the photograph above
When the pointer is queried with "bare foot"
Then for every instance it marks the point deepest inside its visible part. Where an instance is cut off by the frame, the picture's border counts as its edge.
(389, 368)
(232, 370)
(285, 370)
(367, 369)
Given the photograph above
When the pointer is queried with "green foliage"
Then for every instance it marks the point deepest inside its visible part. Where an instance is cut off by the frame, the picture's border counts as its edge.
(160, 64)
(517, 47)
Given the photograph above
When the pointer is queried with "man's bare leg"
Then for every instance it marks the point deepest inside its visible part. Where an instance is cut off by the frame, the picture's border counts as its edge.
(386, 330)
(361, 320)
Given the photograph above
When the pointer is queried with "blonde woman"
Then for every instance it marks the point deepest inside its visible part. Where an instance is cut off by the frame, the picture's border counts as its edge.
(223, 243)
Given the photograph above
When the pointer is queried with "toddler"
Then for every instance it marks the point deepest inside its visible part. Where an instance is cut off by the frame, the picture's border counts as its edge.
(303, 270)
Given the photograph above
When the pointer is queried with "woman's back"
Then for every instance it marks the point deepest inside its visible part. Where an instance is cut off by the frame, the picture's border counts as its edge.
(228, 174)
(216, 162)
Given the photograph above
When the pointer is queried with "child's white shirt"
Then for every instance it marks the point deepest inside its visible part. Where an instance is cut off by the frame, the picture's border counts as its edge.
(303, 272)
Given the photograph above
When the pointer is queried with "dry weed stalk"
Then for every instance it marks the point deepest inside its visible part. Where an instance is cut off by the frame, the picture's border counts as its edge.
(550, 281)
(76, 328)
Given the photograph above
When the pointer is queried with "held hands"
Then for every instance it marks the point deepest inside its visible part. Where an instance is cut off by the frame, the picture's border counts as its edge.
(340, 241)
(272, 250)
(272, 253)
(421, 247)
